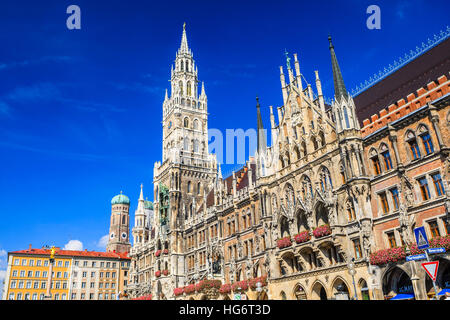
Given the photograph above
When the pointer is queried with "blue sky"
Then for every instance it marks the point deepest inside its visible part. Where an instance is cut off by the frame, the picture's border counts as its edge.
(80, 110)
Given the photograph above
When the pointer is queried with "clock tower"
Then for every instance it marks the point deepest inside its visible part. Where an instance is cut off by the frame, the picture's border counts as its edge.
(119, 231)
(183, 178)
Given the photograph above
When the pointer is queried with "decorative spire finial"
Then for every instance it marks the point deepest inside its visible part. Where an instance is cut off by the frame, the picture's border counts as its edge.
(288, 60)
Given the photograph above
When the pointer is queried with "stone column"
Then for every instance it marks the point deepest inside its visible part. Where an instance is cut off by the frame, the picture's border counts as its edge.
(434, 117)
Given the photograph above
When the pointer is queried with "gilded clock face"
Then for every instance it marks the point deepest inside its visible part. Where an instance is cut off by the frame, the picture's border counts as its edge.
(124, 235)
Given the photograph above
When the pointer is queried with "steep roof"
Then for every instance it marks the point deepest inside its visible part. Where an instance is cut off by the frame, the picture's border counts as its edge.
(416, 74)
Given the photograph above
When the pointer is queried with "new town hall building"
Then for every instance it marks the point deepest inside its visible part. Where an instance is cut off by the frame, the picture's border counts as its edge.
(327, 211)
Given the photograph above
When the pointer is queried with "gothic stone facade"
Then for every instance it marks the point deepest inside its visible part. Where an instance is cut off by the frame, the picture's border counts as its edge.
(298, 212)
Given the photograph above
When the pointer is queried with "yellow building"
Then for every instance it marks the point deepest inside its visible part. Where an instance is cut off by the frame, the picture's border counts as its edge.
(76, 275)
(28, 272)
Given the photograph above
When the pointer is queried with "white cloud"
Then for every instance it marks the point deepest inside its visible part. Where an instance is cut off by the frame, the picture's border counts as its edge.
(2, 253)
(103, 241)
(74, 245)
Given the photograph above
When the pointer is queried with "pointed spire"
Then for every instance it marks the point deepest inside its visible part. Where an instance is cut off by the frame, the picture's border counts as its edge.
(203, 93)
(184, 48)
(339, 87)
(141, 196)
(261, 136)
(220, 173)
(166, 97)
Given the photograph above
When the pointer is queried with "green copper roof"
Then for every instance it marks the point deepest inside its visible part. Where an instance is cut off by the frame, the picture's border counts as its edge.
(148, 204)
(339, 86)
(120, 199)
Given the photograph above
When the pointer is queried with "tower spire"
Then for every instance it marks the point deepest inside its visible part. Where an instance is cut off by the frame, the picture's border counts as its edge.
(184, 48)
(339, 86)
(261, 136)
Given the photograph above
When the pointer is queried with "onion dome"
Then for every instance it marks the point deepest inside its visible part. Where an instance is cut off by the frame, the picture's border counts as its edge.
(120, 199)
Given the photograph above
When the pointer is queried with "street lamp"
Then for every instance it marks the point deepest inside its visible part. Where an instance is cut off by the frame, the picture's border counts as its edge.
(352, 272)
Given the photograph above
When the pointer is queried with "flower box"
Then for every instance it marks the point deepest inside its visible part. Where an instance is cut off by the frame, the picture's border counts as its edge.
(165, 272)
(225, 288)
(240, 284)
(284, 242)
(207, 284)
(158, 273)
(322, 231)
(385, 256)
(148, 297)
(252, 282)
(166, 251)
(157, 253)
(302, 237)
(189, 289)
(178, 291)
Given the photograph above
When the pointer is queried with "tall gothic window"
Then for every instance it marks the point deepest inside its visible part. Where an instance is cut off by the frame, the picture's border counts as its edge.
(413, 146)
(188, 88)
(196, 145)
(427, 143)
(180, 84)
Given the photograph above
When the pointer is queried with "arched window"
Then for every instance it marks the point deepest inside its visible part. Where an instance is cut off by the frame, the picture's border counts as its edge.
(196, 145)
(347, 122)
(325, 179)
(186, 144)
(198, 188)
(188, 88)
(186, 122)
(322, 138)
(314, 141)
(375, 162)
(426, 139)
(386, 156)
(123, 219)
(304, 150)
(189, 187)
(306, 187)
(182, 66)
(413, 146)
(196, 124)
(180, 84)
(351, 215)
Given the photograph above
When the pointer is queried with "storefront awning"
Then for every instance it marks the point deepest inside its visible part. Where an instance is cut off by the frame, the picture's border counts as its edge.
(447, 290)
(404, 296)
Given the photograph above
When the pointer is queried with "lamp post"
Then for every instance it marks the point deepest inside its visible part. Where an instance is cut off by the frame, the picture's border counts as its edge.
(352, 272)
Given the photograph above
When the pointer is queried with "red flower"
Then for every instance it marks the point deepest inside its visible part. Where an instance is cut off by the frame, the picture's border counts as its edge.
(178, 291)
(302, 237)
(158, 273)
(158, 253)
(207, 284)
(322, 231)
(165, 272)
(166, 251)
(284, 242)
(252, 282)
(240, 284)
(189, 288)
(225, 288)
